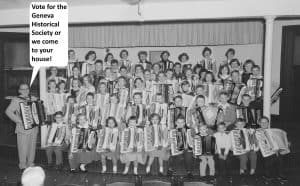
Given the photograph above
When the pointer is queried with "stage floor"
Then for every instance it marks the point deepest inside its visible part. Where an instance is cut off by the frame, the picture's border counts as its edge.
(10, 174)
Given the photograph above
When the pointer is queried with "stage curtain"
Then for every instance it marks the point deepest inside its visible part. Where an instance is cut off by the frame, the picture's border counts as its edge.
(166, 34)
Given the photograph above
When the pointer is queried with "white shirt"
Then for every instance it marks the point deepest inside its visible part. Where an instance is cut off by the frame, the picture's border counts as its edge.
(223, 141)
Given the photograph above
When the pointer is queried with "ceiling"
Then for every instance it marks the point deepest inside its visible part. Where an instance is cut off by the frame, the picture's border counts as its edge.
(16, 4)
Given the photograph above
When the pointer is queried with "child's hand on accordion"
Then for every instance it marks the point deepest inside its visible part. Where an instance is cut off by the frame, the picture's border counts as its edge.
(71, 156)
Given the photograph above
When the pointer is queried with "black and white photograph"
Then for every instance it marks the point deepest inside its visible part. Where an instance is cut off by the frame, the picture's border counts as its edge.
(150, 92)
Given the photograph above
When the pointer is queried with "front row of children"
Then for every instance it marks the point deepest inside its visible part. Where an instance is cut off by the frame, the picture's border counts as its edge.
(221, 152)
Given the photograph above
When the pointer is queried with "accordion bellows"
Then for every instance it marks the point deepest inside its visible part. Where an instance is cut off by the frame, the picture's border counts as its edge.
(32, 113)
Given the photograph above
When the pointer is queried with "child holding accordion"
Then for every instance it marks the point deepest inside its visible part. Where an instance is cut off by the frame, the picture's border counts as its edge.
(156, 142)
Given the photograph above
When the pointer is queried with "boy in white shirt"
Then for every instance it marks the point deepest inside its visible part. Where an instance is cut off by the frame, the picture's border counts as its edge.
(223, 146)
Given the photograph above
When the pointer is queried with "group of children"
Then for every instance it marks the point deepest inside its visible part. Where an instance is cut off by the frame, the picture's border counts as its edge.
(184, 103)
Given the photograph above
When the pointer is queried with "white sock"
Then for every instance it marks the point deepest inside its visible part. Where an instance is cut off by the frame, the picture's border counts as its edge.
(126, 170)
(82, 167)
(103, 169)
(147, 169)
(161, 169)
(135, 171)
(115, 169)
(252, 171)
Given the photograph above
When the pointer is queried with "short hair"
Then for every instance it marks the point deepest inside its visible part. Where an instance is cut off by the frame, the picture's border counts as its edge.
(106, 56)
(234, 60)
(50, 81)
(71, 50)
(154, 115)
(76, 67)
(256, 66)
(132, 118)
(246, 95)
(177, 64)
(200, 96)
(111, 118)
(90, 94)
(222, 123)
(138, 66)
(177, 97)
(240, 120)
(137, 94)
(229, 50)
(71, 97)
(185, 83)
(224, 93)
(142, 53)
(183, 54)
(114, 61)
(164, 52)
(221, 68)
(99, 61)
(91, 52)
(123, 67)
(58, 113)
(199, 86)
(122, 51)
(212, 75)
(264, 117)
(180, 116)
(234, 71)
(248, 61)
(206, 49)
(154, 64)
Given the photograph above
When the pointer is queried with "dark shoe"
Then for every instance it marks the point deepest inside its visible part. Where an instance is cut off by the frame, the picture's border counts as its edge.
(282, 179)
(160, 174)
(170, 172)
(189, 175)
(73, 171)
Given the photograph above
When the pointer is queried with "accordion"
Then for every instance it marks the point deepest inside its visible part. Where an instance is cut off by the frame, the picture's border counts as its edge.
(240, 142)
(173, 114)
(178, 141)
(107, 140)
(155, 137)
(56, 135)
(92, 140)
(235, 93)
(93, 115)
(79, 139)
(132, 140)
(208, 144)
(266, 143)
(255, 86)
(164, 90)
(32, 113)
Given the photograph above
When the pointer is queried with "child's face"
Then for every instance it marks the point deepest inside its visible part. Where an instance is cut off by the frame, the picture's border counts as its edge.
(186, 87)
(153, 76)
(178, 102)
(147, 75)
(180, 123)
(52, 86)
(58, 118)
(223, 98)
(53, 71)
(230, 55)
(114, 67)
(208, 78)
(200, 102)
(131, 123)
(62, 86)
(156, 68)
(92, 57)
(188, 73)
(207, 54)
(169, 74)
(225, 71)
(137, 99)
(248, 67)
(90, 100)
(177, 68)
(98, 66)
(256, 71)
(121, 82)
(76, 71)
(200, 91)
(161, 77)
(108, 72)
(155, 120)
(183, 59)
(124, 55)
(123, 72)
(110, 57)
(111, 123)
(86, 80)
(71, 101)
(240, 124)
(81, 120)
(143, 57)
(75, 83)
(139, 84)
(234, 65)
(165, 56)
(221, 128)
(159, 99)
(102, 88)
(264, 123)
(113, 99)
(138, 70)
(72, 55)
